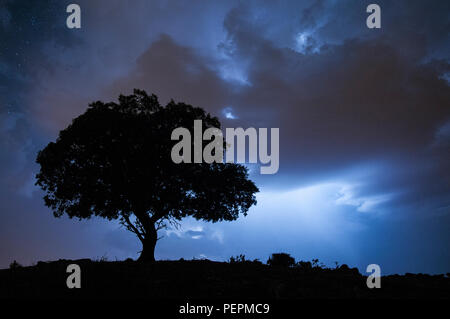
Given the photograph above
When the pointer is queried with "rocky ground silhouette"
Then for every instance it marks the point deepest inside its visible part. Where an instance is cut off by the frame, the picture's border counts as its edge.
(188, 279)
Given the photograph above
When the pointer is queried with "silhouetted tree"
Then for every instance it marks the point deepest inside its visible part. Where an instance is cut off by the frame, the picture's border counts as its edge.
(114, 161)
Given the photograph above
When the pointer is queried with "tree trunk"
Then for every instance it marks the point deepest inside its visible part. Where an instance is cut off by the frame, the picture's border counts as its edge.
(149, 243)
(148, 250)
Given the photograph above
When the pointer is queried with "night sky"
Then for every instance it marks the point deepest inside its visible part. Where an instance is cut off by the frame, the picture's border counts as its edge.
(364, 118)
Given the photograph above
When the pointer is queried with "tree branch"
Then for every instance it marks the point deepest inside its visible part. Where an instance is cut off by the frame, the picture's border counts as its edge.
(129, 225)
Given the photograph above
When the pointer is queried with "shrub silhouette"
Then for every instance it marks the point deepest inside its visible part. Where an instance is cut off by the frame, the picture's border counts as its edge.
(281, 259)
(14, 265)
(241, 259)
(347, 270)
(237, 259)
(316, 264)
(114, 161)
(304, 265)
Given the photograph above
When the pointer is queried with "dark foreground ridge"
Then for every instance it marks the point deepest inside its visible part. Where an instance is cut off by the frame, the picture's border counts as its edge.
(209, 279)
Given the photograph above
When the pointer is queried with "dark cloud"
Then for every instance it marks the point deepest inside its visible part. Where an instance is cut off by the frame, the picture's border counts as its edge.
(351, 104)
(173, 71)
